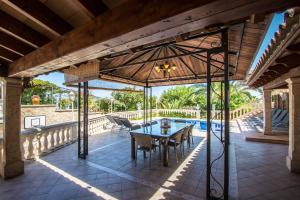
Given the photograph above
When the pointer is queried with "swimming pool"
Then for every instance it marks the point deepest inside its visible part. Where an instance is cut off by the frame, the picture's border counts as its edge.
(202, 124)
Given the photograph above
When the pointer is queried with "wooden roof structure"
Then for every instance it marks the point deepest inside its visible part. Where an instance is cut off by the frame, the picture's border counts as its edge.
(40, 36)
(281, 59)
(189, 54)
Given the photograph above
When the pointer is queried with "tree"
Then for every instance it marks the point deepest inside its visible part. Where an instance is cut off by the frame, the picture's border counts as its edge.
(127, 100)
(187, 97)
(178, 97)
(44, 89)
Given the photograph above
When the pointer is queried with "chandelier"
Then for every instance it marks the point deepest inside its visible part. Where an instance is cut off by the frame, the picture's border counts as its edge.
(165, 68)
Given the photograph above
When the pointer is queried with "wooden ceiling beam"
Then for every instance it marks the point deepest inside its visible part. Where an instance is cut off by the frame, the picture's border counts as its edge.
(8, 54)
(42, 15)
(138, 23)
(291, 60)
(20, 31)
(14, 45)
(96, 7)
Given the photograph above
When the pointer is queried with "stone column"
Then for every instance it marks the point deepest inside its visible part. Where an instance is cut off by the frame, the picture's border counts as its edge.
(267, 112)
(293, 158)
(12, 164)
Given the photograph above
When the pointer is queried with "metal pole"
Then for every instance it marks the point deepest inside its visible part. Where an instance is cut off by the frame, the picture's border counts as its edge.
(79, 127)
(221, 111)
(226, 106)
(144, 106)
(208, 116)
(85, 119)
(150, 104)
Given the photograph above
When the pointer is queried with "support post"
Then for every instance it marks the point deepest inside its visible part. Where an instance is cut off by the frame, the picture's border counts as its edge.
(12, 164)
(293, 158)
(267, 111)
(85, 117)
(79, 120)
(208, 116)
(226, 113)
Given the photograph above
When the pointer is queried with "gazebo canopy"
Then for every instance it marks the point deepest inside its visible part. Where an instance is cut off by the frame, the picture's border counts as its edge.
(187, 54)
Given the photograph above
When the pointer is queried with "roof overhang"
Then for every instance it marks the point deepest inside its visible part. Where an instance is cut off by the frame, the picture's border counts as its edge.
(282, 54)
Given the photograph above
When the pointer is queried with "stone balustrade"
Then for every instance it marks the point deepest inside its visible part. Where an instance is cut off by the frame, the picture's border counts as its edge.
(186, 112)
(38, 141)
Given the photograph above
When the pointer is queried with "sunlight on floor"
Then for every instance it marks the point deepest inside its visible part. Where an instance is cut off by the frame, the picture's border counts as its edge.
(76, 180)
(174, 177)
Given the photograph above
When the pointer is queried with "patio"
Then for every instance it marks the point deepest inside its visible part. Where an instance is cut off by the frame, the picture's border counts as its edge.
(109, 173)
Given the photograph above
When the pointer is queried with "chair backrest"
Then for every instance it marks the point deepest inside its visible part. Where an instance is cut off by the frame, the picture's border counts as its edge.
(285, 120)
(143, 141)
(118, 120)
(111, 119)
(147, 124)
(126, 122)
(185, 133)
(191, 127)
(178, 137)
(276, 114)
(281, 116)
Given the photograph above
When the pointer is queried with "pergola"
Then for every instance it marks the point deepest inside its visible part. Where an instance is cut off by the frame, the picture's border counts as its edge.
(208, 41)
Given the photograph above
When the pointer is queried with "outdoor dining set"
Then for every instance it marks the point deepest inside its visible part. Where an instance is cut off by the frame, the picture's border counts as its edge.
(162, 134)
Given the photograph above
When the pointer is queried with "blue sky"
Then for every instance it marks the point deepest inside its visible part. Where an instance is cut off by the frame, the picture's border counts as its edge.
(58, 78)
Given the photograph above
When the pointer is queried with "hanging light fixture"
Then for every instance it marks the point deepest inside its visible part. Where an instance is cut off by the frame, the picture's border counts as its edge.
(165, 68)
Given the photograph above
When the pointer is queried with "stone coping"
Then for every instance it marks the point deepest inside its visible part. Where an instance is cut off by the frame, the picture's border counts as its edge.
(36, 106)
(39, 129)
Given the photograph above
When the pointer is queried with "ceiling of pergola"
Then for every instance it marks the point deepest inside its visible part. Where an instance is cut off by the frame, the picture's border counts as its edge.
(189, 54)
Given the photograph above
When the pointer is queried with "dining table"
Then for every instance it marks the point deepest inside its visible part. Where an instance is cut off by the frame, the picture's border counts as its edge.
(159, 131)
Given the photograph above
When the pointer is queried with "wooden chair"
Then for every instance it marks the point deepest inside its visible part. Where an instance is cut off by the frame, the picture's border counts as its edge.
(185, 137)
(175, 142)
(144, 143)
(191, 133)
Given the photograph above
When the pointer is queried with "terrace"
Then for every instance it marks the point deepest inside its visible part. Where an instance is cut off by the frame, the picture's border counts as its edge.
(169, 44)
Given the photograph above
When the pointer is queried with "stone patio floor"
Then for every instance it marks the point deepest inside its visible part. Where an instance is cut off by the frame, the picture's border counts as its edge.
(258, 171)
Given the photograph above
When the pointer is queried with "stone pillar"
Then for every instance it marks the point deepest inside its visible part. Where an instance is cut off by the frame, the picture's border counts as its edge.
(267, 112)
(12, 164)
(293, 158)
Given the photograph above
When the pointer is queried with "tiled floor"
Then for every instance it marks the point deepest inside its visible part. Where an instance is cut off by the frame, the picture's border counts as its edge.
(257, 172)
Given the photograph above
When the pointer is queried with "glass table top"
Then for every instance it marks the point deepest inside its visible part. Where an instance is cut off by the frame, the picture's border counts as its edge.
(156, 130)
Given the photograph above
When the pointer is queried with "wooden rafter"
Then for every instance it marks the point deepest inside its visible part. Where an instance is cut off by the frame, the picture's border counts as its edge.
(8, 54)
(96, 7)
(42, 14)
(15, 45)
(20, 31)
(153, 60)
(184, 63)
(137, 71)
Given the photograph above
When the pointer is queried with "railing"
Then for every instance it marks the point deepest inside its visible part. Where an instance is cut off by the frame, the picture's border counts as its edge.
(129, 114)
(36, 142)
(185, 112)
(241, 112)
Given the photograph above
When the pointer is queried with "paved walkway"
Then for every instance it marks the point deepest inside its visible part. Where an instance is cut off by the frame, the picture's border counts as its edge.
(257, 172)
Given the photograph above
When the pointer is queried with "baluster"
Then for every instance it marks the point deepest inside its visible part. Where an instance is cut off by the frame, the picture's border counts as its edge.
(45, 141)
(52, 140)
(37, 144)
(57, 138)
(30, 146)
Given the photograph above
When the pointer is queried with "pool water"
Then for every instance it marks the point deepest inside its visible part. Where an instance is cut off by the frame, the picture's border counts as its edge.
(202, 124)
